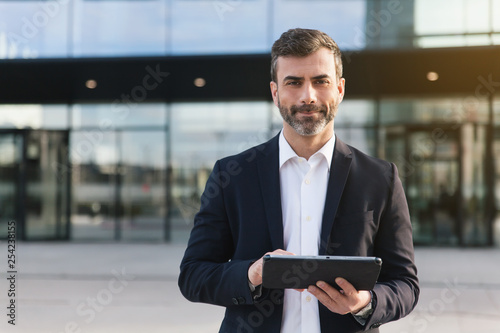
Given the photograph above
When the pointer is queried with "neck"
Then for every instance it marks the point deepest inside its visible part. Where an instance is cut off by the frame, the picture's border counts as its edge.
(306, 146)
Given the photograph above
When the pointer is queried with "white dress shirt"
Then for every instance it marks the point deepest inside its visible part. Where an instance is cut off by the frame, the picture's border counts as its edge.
(303, 191)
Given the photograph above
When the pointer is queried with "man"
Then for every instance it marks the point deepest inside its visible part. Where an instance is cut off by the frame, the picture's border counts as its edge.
(303, 192)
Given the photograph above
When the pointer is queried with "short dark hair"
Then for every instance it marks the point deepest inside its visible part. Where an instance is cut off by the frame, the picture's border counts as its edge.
(302, 42)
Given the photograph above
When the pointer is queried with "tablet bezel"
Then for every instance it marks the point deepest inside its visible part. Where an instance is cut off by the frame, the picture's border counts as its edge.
(298, 272)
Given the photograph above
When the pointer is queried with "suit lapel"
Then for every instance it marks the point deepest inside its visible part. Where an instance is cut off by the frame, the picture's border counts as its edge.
(339, 170)
(268, 169)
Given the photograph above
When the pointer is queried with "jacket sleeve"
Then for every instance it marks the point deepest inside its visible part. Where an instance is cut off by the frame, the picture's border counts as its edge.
(397, 290)
(207, 272)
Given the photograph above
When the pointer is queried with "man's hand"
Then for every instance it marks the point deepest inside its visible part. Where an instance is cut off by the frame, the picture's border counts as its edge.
(255, 271)
(347, 300)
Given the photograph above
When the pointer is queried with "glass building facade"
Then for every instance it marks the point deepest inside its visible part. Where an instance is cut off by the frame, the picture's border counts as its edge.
(87, 170)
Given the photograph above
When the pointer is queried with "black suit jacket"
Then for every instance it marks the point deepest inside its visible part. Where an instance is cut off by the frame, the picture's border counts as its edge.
(240, 219)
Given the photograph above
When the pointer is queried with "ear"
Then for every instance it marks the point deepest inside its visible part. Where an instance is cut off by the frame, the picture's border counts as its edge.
(341, 89)
(274, 92)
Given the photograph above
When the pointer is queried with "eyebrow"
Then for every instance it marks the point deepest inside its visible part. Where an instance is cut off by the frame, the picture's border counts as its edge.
(300, 78)
(322, 76)
(293, 78)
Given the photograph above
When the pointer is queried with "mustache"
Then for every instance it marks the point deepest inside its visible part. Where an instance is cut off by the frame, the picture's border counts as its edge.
(307, 108)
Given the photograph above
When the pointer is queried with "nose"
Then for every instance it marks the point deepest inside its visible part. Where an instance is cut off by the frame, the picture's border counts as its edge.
(308, 95)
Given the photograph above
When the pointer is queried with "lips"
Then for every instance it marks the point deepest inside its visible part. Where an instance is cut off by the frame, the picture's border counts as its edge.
(305, 109)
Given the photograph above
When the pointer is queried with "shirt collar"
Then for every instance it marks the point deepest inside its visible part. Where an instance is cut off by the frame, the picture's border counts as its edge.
(286, 151)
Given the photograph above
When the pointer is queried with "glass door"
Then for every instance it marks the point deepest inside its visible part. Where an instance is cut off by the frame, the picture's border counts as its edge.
(10, 156)
(428, 160)
(46, 177)
(142, 185)
(433, 186)
(34, 183)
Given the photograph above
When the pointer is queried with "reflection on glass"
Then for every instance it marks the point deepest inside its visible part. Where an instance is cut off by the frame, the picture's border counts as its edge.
(496, 156)
(360, 138)
(143, 181)
(475, 219)
(450, 110)
(46, 185)
(104, 117)
(201, 134)
(34, 116)
(208, 27)
(389, 24)
(94, 160)
(440, 25)
(437, 16)
(355, 112)
(347, 29)
(10, 154)
(110, 28)
(428, 167)
(33, 29)
(496, 111)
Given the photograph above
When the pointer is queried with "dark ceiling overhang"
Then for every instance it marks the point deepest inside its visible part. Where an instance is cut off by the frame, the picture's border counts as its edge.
(369, 74)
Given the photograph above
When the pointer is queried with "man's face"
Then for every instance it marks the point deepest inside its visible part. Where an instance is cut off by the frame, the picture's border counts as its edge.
(307, 92)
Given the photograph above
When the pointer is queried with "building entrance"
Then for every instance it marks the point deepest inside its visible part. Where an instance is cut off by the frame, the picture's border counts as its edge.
(34, 183)
(443, 176)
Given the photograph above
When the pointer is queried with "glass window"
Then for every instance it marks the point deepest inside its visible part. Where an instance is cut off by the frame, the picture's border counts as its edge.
(110, 28)
(94, 159)
(33, 29)
(119, 115)
(347, 28)
(360, 138)
(355, 112)
(495, 14)
(142, 185)
(34, 116)
(207, 27)
(10, 158)
(477, 18)
(46, 177)
(440, 24)
(496, 155)
(496, 39)
(201, 133)
(496, 111)
(214, 130)
(451, 111)
(437, 16)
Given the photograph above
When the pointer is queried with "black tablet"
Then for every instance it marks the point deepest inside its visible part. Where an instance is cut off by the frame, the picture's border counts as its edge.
(299, 272)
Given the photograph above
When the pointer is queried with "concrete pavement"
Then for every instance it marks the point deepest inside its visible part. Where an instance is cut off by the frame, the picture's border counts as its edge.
(72, 287)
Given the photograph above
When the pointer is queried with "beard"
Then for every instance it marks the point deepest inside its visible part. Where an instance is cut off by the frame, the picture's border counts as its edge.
(308, 126)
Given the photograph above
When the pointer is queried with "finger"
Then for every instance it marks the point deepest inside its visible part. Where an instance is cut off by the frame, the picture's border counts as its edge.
(324, 298)
(255, 273)
(324, 292)
(329, 297)
(333, 293)
(346, 286)
(281, 252)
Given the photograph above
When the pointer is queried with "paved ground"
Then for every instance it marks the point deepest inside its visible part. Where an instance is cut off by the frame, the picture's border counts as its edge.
(68, 287)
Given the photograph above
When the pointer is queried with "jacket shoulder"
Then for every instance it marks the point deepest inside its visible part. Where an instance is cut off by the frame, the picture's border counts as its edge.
(366, 165)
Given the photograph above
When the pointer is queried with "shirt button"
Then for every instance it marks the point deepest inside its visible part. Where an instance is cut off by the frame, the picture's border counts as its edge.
(307, 182)
(308, 298)
(308, 218)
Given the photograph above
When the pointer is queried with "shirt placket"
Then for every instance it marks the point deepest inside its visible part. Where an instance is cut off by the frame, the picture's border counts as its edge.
(308, 241)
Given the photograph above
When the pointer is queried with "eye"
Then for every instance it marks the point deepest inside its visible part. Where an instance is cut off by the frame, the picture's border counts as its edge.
(322, 82)
(293, 83)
